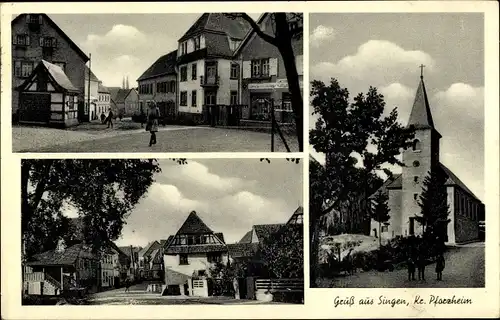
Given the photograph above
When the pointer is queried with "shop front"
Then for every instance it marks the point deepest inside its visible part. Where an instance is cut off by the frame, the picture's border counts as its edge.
(260, 98)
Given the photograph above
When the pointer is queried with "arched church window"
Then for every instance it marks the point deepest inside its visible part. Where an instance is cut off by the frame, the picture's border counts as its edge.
(416, 163)
(416, 145)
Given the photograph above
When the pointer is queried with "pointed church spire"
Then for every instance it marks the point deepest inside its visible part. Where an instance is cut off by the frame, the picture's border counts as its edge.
(123, 82)
(127, 84)
(421, 112)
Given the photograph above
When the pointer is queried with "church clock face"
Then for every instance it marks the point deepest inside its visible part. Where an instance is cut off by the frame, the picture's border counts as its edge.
(416, 163)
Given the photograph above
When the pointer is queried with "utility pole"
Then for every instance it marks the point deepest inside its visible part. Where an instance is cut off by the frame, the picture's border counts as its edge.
(272, 125)
(88, 93)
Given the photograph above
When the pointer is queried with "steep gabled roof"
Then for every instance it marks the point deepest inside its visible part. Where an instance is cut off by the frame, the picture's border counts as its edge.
(297, 216)
(153, 245)
(217, 22)
(242, 250)
(46, 18)
(56, 75)
(119, 95)
(247, 238)
(102, 89)
(454, 180)
(163, 66)
(251, 33)
(194, 225)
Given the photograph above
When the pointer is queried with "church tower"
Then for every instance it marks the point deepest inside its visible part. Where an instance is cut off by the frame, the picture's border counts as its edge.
(419, 160)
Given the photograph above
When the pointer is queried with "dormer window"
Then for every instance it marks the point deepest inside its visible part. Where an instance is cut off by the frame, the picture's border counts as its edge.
(48, 42)
(416, 145)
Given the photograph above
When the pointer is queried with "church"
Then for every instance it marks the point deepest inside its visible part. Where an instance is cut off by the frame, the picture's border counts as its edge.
(466, 210)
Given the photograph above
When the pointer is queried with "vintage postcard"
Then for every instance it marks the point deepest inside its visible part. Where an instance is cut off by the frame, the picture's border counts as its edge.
(250, 160)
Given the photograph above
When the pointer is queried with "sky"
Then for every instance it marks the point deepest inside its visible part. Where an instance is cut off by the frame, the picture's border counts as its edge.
(385, 50)
(229, 195)
(125, 44)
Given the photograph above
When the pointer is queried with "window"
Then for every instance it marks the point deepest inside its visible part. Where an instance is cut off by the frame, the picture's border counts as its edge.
(210, 98)
(172, 86)
(34, 19)
(183, 48)
(193, 98)
(184, 98)
(416, 163)
(286, 101)
(234, 98)
(22, 40)
(23, 69)
(416, 145)
(62, 65)
(48, 42)
(197, 43)
(260, 68)
(183, 259)
(214, 257)
(415, 179)
(184, 73)
(234, 70)
(384, 229)
(193, 71)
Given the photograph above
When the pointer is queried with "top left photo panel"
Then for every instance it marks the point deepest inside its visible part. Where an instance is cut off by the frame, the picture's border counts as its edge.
(176, 82)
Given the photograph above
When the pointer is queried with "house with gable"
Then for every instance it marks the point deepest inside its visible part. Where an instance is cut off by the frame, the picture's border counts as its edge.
(208, 76)
(159, 83)
(124, 102)
(150, 261)
(36, 37)
(189, 254)
(263, 72)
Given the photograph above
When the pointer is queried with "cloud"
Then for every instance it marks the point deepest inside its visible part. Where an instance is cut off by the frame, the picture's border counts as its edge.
(198, 174)
(397, 95)
(376, 63)
(320, 35)
(124, 51)
(169, 195)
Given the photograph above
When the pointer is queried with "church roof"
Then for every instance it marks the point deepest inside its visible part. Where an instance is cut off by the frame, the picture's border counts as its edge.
(421, 112)
(454, 180)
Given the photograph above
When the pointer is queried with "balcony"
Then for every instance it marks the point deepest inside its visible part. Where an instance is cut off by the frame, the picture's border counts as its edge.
(210, 82)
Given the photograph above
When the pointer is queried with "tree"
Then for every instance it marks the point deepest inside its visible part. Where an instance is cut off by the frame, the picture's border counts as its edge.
(434, 207)
(380, 212)
(103, 191)
(282, 252)
(288, 27)
(357, 141)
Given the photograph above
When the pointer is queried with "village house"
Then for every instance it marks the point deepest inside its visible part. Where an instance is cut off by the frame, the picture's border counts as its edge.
(466, 210)
(207, 75)
(188, 256)
(148, 261)
(263, 73)
(48, 97)
(104, 100)
(158, 83)
(36, 37)
(132, 268)
(61, 269)
(124, 102)
(91, 97)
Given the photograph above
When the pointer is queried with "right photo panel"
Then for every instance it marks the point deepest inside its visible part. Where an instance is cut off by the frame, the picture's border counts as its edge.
(396, 135)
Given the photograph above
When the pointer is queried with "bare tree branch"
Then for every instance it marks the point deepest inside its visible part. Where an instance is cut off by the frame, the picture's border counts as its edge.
(255, 27)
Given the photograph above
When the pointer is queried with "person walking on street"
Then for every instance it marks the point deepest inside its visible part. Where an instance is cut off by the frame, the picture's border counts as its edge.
(103, 118)
(421, 264)
(440, 267)
(152, 121)
(110, 118)
(411, 268)
(127, 285)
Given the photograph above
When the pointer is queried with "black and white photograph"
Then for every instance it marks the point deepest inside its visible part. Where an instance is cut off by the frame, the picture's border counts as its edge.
(397, 150)
(159, 232)
(176, 82)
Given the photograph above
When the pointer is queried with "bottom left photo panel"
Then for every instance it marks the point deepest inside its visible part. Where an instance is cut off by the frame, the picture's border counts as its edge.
(162, 231)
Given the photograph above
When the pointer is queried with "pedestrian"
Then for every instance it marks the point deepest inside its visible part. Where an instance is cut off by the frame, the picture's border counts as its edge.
(152, 121)
(142, 117)
(440, 267)
(421, 261)
(103, 117)
(127, 284)
(110, 118)
(411, 268)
